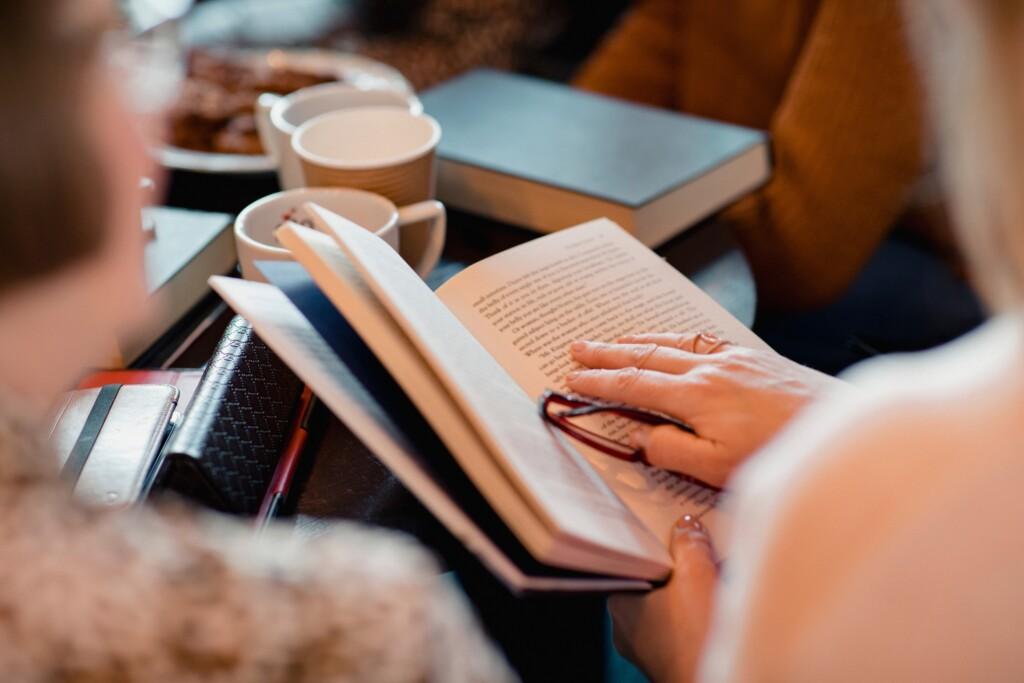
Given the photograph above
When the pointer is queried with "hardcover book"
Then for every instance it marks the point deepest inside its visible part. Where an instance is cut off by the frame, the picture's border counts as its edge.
(185, 249)
(544, 156)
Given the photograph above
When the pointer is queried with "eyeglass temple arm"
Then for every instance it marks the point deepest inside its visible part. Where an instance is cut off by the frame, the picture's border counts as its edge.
(580, 408)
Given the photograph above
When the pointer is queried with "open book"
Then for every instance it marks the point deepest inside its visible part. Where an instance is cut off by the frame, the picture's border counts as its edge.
(443, 387)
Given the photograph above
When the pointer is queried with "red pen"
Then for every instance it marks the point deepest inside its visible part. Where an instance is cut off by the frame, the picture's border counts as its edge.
(285, 472)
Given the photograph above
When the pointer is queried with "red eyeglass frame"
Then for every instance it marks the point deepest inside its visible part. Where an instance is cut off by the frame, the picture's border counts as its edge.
(579, 406)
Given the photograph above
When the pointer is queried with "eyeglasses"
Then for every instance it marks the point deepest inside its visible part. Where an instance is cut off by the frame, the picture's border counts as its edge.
(145, 15)
(146, 54)
(561, 411)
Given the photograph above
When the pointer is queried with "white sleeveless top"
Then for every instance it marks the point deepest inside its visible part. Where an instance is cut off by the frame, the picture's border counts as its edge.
(881, 536)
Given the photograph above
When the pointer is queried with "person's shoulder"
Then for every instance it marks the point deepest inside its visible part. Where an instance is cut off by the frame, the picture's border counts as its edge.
(963, 383)
(908, 417)
(937, 400)
(973, 362)
(864, 486)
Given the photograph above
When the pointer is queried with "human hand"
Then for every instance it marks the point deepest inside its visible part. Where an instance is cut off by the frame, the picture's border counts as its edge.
(663, 631)
(735, 398)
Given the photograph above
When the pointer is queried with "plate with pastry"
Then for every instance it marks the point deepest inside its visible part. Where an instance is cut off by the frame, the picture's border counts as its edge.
(212, 125)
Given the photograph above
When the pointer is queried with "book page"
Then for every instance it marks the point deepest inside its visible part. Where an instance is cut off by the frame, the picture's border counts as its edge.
(593, 282)
(591, 528)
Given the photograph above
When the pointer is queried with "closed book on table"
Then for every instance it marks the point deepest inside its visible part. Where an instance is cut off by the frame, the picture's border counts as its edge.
(185, 249)
(543, 156)
(108, 437)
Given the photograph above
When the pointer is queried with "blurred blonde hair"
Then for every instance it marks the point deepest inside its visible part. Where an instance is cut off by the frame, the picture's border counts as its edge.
(970, 52)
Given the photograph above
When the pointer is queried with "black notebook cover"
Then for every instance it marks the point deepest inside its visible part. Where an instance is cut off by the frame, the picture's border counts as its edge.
(225, 450)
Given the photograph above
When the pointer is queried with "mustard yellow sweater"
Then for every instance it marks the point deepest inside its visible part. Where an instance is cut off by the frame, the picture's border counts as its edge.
(830, 79)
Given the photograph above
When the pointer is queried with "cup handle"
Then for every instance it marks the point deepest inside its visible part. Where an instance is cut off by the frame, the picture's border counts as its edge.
(264, 103)
(430, 210)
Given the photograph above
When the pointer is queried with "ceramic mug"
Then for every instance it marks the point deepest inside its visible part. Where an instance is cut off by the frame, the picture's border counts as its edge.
(278, 117)
(254, 228)
(387, 151)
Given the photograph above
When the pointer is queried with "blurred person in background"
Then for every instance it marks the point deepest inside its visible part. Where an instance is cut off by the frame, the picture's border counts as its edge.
(430, 41)
(849, 227)
(427, 40)
(876, 529)
(140, 594)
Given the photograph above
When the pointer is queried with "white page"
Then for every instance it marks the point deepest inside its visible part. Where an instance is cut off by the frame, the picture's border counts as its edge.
(594, 282)
(287, 332)
(557, 483)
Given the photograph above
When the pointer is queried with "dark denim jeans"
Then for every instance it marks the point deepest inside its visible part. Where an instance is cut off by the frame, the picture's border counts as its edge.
(906, 299)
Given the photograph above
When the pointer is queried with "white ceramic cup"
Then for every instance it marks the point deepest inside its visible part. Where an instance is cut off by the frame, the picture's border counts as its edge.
(387, 151)
(277, 118)
(255, 225)
(379, 149)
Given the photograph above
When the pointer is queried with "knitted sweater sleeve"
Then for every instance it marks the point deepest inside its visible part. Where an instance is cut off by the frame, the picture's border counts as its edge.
(171, 595)
(848, 149)
(847, 124)
(638, 60)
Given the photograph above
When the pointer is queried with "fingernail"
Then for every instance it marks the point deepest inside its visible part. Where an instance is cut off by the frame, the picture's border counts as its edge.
(640, 437)
(689, 523)
(572, 376)
(577, 346)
